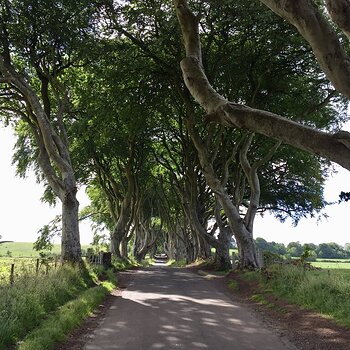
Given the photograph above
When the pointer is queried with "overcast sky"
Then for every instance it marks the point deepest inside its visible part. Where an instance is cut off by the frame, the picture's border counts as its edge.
(22, 213)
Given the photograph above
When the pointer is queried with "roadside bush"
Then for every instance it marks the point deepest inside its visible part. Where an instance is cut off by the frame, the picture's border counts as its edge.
(121, 264)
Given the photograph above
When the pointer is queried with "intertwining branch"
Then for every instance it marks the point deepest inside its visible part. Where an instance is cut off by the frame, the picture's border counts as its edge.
(335, 147)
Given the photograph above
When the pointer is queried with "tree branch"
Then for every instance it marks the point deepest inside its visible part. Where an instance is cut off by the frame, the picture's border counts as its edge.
(339, 11)
(316, 30)
(324, 41)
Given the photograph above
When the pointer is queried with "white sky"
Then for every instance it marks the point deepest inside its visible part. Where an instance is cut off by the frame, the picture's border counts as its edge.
(22, 213)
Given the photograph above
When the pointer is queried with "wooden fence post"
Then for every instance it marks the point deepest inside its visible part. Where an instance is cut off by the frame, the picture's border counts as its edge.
(37, 266)
(12, 274)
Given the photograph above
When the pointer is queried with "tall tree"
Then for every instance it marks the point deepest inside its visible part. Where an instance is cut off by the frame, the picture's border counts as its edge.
(39, 42)
(334, 147)
(112, 140)
(256, 86)
(257, 92)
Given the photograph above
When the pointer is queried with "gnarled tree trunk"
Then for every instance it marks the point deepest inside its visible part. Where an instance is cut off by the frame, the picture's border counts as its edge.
(247, 250)
(121, 229)
(222, 253)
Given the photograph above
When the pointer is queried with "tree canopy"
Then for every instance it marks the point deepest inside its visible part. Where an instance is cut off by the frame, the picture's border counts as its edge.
(96, 96)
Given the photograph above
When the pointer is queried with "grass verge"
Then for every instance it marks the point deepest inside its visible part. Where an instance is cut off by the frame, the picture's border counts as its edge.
(233, 285)
(24, 304)
(327, 292)
(29, 303)
(68, 317)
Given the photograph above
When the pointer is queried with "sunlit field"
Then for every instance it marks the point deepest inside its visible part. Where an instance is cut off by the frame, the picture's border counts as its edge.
(342, 264)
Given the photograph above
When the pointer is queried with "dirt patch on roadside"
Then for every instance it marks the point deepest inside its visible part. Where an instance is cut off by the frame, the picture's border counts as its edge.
(307, 330)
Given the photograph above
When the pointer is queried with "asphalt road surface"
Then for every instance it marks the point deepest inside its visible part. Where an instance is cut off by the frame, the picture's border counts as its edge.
(169, 308)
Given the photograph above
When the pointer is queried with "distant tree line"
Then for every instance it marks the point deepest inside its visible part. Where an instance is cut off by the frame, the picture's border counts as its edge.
(295, 249)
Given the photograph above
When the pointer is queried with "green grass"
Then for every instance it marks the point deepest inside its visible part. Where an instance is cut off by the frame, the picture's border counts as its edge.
(25, 303)
(260, 299)
(337, 264)
(23, 267)
(176, 263)
(124, 264)
(233, 285)
(326, 291)
(25, 249)
(68, 317)
(31, 301)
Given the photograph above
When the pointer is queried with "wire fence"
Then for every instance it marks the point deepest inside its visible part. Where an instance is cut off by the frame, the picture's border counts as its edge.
(13, 269)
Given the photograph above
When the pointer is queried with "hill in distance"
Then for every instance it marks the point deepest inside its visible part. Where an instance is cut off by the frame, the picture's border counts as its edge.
(25, 249)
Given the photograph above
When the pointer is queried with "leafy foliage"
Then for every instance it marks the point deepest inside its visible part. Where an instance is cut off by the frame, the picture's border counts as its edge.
(112, 68)
(47, 235)
(308, 251)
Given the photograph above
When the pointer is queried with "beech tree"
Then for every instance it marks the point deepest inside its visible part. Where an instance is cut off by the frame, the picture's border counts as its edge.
(39, 42)
(180, 161)
(311, 23)
(199, 87)
(108, 118)
(255, 85)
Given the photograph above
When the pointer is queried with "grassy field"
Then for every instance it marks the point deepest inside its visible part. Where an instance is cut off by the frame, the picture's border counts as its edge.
(342, 264)
(25, 258)
(25, 249)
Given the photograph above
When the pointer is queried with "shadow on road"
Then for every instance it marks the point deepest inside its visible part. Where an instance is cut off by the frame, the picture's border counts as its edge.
(167, 308)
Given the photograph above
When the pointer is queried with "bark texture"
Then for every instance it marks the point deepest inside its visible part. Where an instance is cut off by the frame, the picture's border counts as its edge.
(70, 247)
(339, 10)
(122, 226)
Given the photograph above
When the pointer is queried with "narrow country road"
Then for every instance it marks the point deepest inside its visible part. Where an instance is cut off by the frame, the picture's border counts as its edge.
(169, 308)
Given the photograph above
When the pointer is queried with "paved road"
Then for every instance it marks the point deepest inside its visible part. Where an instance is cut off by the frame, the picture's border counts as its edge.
(167, 308)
